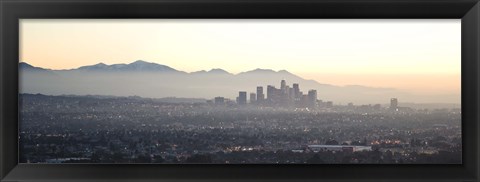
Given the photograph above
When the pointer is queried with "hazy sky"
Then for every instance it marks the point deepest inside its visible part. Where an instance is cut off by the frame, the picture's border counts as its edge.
(419, 56)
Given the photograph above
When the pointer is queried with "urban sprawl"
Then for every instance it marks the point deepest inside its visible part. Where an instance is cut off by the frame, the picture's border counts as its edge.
(285, 127)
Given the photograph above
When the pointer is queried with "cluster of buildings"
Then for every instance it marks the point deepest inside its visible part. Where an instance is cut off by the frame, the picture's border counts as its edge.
(394, 104)
(343, 148)
(88, 129)
(285, 96)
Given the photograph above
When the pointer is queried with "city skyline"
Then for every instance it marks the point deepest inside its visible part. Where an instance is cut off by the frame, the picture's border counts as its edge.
(90, 129)
(150, 69)
(272, 91)
(411, 55)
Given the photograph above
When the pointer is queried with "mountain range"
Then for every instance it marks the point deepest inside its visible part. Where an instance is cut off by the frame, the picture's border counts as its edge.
(145, 67)
(135, 66)
(154, 80)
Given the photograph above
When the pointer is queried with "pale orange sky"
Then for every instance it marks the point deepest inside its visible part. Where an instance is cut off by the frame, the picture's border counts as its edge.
(418, 56)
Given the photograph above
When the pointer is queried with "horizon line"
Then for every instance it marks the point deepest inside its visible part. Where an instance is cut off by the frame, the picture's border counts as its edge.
(216, 68)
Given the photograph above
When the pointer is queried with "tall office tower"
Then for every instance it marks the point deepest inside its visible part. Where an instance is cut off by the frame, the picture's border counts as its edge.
(287, 90)
(283, 84)
(303, 100)
(296, 91)
(287, 95)
(260, 95)
(291, 92)
(273, 95)
(393, 104)
(270, 92)
(312, 98)
(219, 101)
(242, 98)
(253, 98)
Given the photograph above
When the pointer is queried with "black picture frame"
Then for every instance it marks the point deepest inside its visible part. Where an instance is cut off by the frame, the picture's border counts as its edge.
(13, 10)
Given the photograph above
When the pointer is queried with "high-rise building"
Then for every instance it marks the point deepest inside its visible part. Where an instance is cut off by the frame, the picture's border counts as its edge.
(274, 95)
(393, 103)
(270, 92)
(219, 101)
(260, 95)
(312, 98)
(303, 101)
(291, 92)
(329, 104)
(253, 98)
(283, 84)
(287, 90)
(242, 98)
(285, 100)
(296, 91)
(320, 103)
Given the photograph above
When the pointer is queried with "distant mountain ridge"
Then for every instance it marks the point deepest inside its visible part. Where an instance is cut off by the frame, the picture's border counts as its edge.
(154, 80)
(26, 66)
(135, 66)
(141, 65)
(212, 71)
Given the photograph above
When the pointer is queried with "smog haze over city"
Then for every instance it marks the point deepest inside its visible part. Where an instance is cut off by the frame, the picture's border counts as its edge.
(240, 91)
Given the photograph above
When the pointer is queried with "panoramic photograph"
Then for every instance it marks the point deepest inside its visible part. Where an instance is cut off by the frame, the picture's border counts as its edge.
(237, 91)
